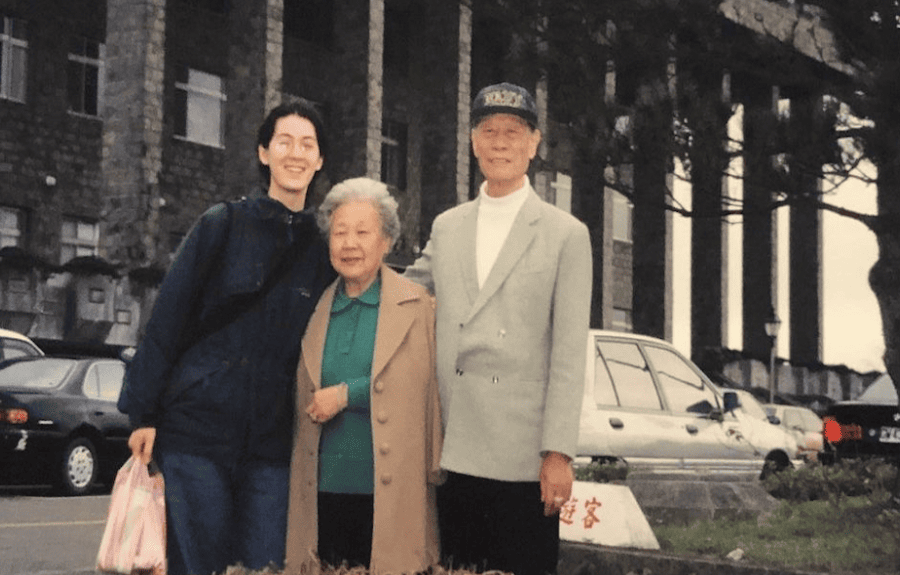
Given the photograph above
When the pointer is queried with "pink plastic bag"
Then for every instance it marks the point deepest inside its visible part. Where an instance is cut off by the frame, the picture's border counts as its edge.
(135, 534)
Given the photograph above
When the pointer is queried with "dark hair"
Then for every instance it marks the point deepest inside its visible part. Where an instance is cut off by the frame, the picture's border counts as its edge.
(267, 130)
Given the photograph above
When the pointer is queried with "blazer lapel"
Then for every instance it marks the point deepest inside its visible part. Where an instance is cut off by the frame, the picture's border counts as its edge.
(394, 318)
(520, 236)
(313, 346)
(465, 251)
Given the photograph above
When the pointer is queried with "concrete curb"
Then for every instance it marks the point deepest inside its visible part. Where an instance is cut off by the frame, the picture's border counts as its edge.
(588, 559)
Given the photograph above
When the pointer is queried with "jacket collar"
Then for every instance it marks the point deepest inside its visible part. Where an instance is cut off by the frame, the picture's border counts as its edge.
(394, 321)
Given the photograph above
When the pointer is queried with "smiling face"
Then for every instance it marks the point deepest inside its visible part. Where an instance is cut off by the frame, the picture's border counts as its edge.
(504, 145)
(293, 159)
(357, 245)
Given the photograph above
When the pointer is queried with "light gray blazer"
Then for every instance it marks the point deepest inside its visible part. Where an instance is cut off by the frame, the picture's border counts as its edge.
(510, 356)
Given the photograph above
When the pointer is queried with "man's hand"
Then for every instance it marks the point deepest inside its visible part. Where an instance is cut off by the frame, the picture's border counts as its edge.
(327, 402)
(141, 443)
(556, 482)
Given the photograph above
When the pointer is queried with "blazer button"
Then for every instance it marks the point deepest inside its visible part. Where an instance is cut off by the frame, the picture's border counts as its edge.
(382, 417)
(384, 449)
(386, 479)
(379, 386)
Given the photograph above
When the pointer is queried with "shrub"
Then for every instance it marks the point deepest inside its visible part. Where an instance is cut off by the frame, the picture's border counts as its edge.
(602, 472)
(845, 478)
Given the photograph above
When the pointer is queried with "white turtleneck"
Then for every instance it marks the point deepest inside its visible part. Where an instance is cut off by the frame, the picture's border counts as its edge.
(495, 220)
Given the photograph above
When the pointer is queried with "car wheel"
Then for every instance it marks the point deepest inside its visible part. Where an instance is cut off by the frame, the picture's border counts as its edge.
(774, 463)
(78, 467)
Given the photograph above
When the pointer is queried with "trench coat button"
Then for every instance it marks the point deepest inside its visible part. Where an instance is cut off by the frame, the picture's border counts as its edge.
(495, 379)
(459, 372)
(382, 417)
(384, 449)
(502, 333)
(379, 386)
(386, 479)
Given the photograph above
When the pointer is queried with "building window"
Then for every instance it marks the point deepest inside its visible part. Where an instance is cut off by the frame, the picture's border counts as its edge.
(621, 320)
(199, 107)
(86, 76)
(11, 224)
(310, 20)
(622, 215)
(79, 239)
(13, 59)
(393, 154)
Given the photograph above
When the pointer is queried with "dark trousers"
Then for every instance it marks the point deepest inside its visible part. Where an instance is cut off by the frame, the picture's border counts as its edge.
(345, 529)
(496, 525)
(218, 516)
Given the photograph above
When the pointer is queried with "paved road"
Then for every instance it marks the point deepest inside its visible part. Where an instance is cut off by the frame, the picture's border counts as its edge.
(48, 535)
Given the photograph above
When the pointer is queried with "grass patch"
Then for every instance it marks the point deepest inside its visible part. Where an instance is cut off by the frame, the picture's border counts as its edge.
(836, 519)
(856, 535)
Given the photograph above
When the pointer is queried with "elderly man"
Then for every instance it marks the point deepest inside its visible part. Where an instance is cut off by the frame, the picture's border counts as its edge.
(512, 278)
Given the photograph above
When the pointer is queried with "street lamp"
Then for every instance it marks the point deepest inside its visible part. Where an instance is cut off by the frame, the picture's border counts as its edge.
(772, 325)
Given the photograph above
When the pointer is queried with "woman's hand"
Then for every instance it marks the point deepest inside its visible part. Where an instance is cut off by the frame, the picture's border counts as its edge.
(141, 443)
(327, 402)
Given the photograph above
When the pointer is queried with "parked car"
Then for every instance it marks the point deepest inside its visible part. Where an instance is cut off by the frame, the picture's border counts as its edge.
(13, 344)
(804, 425)
(647, 404)
(866, 426)
(59, 423)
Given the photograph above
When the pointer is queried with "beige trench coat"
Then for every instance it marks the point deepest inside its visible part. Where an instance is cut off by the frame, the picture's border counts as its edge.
(406, 434)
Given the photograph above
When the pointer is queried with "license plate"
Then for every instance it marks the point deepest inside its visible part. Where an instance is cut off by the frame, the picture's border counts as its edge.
(890, 435)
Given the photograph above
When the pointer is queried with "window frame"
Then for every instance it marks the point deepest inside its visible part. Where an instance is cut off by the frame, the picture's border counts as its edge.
(75, 242)
(83, 61)
(191, 96)
(10, 42)
(18, 232)
(395, 145)
(623, 218)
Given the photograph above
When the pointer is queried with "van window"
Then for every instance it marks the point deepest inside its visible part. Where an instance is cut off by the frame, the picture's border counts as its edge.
(682, 386)
(622, 377)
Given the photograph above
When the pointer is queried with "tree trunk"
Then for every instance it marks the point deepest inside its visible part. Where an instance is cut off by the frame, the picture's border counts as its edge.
(884, 277)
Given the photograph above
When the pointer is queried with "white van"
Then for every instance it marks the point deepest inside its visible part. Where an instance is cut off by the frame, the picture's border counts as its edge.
(647, 404)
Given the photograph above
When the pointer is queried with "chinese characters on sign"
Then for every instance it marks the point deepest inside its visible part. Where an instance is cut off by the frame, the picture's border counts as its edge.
(570, 512)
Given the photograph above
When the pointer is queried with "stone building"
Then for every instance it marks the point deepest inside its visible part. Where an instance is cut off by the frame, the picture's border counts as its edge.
(122, 120)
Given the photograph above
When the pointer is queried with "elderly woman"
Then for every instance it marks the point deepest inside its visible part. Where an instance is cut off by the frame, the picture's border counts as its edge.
(367, 444)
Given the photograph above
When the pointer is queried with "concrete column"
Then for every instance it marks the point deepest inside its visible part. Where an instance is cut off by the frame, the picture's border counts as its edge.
(759, 285)
(709, 282)
(253, 86)
(652, 255)
(132, 129)
(805, 242)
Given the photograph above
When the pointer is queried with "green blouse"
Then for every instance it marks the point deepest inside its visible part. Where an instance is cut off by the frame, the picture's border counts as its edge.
(346, 462)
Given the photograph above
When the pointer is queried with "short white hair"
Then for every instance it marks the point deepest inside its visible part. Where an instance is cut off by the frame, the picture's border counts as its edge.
(362, 189)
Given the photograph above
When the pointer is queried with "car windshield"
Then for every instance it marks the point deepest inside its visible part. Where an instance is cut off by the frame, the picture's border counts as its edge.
(752, 406)
(43, 374)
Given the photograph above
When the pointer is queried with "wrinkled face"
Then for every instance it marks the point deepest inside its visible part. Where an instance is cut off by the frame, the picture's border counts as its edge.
(504, 145)
(292, 156)
(357, 244)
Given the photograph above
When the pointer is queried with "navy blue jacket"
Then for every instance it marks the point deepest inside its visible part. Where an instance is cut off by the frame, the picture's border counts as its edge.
(229, 396)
